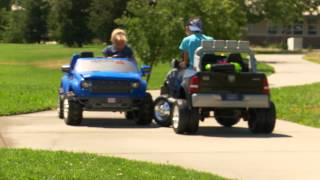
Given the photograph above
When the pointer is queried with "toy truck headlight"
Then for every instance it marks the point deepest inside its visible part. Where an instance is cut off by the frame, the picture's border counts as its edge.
(135, 85)
(85, 84)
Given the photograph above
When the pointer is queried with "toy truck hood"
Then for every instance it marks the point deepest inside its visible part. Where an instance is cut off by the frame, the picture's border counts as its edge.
(111, 75)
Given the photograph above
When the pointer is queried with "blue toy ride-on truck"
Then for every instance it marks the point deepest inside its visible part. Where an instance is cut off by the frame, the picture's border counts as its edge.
(221, 83)
(104, 84)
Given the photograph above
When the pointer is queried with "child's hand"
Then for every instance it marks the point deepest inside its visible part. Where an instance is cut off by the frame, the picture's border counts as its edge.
(183, 65)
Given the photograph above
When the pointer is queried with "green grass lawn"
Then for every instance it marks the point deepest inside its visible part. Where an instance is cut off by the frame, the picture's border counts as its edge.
(27, 89)
(28, 53)
(300, 104)
(27, 164)
(313, 57)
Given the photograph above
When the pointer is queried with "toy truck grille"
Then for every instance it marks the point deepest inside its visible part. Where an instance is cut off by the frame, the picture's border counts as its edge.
(110, 86)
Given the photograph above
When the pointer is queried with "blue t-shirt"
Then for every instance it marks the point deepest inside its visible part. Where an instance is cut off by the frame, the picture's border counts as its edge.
(127, 52)
(110, 51)
(191, 43)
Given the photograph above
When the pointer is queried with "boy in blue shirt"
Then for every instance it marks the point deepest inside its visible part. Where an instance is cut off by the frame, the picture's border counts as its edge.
(188, 47)
(191, 43)
(119, 47)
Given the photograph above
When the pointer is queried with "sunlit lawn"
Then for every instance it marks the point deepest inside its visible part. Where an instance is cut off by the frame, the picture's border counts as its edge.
(300, 104)
(313, 56)
(25, 164)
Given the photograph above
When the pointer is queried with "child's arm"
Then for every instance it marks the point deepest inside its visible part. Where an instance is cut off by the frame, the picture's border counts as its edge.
(185, 60)
(107, 52)
(185, 56)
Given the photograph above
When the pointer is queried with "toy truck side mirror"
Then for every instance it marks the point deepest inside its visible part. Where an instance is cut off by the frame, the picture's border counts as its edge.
(145, 70)
(65, 68)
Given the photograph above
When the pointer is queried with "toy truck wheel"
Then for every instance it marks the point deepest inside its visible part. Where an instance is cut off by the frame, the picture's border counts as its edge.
(227, 122)
(60, 107)
(130, 115)
(262, 121)
(227, 118)
(145, 114)
(163, 111)
(184, 120)
(193, 124)
(72, 112)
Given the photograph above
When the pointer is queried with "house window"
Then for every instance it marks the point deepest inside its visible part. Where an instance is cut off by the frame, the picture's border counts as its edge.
(298, 28)
(273, 29)
(312, 27)
(287, 30)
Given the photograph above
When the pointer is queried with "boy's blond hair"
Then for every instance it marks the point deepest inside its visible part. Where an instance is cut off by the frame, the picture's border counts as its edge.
(119, 35)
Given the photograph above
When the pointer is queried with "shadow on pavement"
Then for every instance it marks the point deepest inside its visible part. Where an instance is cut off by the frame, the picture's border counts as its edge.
(114, 123)
(235, 132)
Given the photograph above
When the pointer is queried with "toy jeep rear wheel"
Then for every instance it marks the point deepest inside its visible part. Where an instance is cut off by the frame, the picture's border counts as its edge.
(145, 114)
(227, 118)
(262, 121)
(227, 121)
(163, 111)
(72, 112)
(184, 120)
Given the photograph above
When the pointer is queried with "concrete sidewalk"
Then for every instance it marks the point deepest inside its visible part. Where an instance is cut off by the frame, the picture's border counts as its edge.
(292, 152)
(291, 70)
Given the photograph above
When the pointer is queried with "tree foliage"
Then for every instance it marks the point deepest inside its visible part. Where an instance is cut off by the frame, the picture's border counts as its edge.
(14, 29)
(156, 31)
(283, 12)
(3, 22)
(155, 27)
(5, 4)
(35, 20)
(69, 21)
(28, 24)
(102, 15)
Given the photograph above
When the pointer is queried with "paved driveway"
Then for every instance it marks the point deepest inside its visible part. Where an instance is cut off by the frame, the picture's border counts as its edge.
(292, 152)
(291, 70)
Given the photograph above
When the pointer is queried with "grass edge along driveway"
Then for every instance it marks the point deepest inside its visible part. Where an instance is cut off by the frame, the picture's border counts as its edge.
(21, 164)
(313, 56)
(299, 104)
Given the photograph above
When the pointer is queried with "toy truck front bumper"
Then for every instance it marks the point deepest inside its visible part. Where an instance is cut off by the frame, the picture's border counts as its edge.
(220, 101)
(110, 103)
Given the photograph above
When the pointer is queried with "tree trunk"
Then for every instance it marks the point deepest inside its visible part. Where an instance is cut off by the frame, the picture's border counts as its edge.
(149, 75)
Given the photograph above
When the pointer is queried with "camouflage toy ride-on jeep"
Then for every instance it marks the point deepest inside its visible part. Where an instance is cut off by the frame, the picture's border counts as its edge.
(222, 84)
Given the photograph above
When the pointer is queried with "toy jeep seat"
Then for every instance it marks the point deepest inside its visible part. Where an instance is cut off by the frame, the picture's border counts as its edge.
(75, 58)
(223, 68)
(237, 58)
(86, 55)
(210, 59)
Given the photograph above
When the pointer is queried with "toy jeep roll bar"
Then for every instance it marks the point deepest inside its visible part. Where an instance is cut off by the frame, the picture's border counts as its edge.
(233, 46)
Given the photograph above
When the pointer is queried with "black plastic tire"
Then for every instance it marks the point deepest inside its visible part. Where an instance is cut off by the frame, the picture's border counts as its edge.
(161, 119)
(194, 119)
(145, 114)
(227, 122)
(130, 115)
(184, 119)
(73, 113)
(60, 107)
(262, 121)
